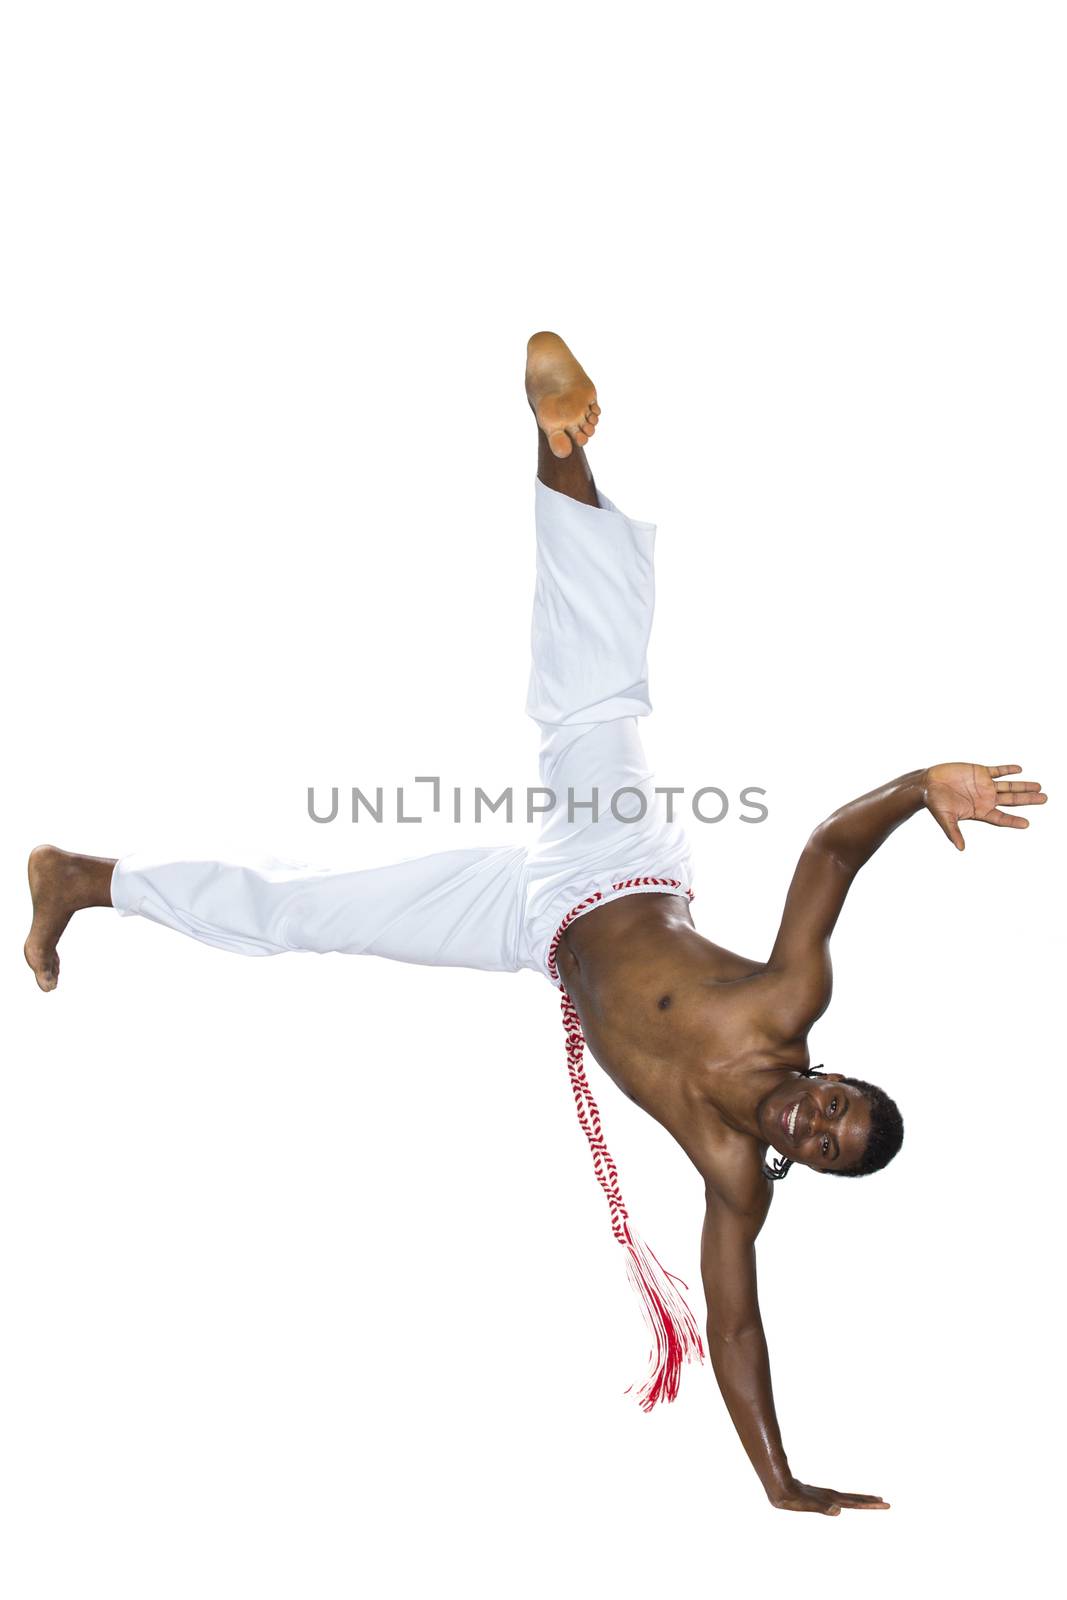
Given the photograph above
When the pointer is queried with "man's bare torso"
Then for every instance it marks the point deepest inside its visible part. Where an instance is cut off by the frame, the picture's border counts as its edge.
(680, 1025)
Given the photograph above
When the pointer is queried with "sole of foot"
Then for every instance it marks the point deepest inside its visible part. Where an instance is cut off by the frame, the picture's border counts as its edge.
(562, 396)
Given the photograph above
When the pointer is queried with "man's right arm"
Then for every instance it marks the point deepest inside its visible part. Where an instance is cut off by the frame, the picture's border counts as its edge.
(799, 964)
(739, 1355)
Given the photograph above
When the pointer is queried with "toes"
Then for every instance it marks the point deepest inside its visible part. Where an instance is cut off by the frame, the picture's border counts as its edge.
(559, 443)
(47, 976)
(44, 967)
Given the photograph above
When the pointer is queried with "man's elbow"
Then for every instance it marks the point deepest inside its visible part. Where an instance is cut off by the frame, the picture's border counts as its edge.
(826, 845)
(730, 1336)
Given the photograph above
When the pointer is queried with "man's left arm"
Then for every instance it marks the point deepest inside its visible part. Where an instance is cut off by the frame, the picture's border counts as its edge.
(738, 1349)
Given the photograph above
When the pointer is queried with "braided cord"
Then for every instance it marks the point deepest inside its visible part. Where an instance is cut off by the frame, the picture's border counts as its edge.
(675, 1336)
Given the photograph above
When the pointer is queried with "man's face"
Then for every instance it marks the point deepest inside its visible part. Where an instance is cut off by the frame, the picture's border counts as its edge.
(822, 1122)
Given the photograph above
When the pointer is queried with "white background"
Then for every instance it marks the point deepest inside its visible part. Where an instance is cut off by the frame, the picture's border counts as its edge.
(307, 1285)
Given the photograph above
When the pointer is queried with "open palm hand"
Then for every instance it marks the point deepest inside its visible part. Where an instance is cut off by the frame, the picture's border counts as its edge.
(959, 792)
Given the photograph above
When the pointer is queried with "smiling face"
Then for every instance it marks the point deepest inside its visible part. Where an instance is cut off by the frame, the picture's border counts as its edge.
(821, 1122)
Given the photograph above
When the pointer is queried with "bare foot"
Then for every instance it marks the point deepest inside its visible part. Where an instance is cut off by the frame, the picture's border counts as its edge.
(60, 884)
(561, 395)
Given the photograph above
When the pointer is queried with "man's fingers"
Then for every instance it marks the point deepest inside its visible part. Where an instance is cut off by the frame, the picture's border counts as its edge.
(830, 1502)
(1001, 772)
(1019, 794)
(1002, 819)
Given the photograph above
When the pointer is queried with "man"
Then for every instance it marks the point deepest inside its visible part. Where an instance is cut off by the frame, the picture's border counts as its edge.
(711, 1044)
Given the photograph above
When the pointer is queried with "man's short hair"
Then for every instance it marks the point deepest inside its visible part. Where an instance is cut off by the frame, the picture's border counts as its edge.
(886, 1135)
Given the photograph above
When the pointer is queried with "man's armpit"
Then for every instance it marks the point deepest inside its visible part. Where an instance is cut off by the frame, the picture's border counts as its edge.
(796, 997)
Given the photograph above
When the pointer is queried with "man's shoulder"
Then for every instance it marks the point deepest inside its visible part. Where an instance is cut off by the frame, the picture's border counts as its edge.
(733, 1174)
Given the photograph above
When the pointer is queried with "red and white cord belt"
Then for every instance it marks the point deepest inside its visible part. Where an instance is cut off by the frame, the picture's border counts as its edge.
(675, 1335)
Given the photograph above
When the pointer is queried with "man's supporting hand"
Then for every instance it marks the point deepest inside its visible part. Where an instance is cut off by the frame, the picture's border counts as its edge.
(959, 792)
(806, 1497)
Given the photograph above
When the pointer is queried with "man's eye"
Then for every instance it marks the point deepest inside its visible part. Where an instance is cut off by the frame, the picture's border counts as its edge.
(826, 1147)
(833, 1105)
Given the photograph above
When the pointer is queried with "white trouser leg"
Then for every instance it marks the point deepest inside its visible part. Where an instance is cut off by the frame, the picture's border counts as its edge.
(460, 908)
(593, 606)
(495, 909)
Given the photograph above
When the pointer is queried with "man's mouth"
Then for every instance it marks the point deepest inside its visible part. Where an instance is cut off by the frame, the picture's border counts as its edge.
(789, 1120)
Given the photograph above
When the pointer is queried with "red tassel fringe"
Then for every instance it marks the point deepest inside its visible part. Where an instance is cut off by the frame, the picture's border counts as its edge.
(675, 1335)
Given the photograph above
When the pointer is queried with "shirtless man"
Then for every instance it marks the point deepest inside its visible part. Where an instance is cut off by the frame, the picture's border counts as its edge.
(711, 1044)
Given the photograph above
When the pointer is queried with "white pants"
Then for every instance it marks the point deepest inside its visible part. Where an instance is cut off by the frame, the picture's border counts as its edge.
(499, 908)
